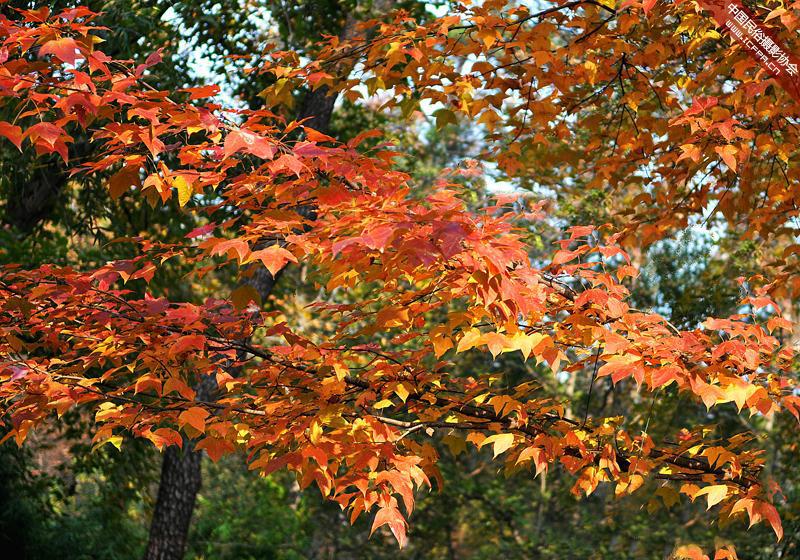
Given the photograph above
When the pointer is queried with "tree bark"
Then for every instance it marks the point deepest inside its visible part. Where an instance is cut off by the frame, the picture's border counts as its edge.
(181, 478)
(31, 201)
(318, 108)
(181, 469)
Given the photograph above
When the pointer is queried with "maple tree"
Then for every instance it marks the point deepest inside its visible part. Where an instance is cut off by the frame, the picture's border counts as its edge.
(411, 282)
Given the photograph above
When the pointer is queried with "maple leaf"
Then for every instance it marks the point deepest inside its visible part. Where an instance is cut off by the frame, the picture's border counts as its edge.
(701, 104)
(470, 339)
(250, 142)
(441, 344)
(728, 155)
(771, 515)
(194, 417)
(621, 366)
(289, 162)
(215, 447)
(202, 91)
(689, 552)
(378, 237)
(230, 247)
(500, 443)
(162, 437)
(450, 236)
(123, 180)
(13, 133)
(188, 343)
(201, 231)
(46, 132)
(65, 49)
(444, 117)
(715, 494)
(273, 257)
(392, 517)
(647, 5)
(184, 189)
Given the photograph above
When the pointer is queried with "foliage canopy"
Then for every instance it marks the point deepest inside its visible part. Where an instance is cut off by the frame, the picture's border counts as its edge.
(640, 101)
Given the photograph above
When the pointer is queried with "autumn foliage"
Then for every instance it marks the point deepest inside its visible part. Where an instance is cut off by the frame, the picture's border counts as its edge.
(630, 96)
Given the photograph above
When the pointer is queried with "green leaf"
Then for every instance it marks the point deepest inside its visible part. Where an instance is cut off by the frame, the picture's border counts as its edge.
(444, 117)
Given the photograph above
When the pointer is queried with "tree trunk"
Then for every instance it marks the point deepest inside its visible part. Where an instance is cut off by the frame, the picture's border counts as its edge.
(318, 108)
(181, 478)
(32, 199)
(181, 469)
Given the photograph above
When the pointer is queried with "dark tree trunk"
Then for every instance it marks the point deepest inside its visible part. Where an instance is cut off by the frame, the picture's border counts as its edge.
(181, 478)
(181, 470)
(32, 199)
(318, 108)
